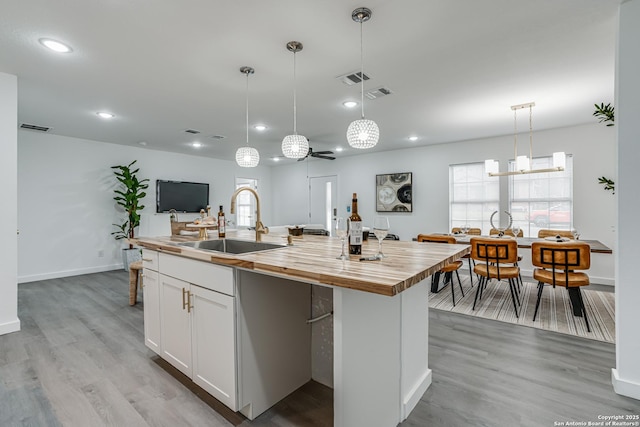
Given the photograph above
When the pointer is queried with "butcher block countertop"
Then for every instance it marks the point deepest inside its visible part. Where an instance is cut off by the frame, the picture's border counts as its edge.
(312, 259)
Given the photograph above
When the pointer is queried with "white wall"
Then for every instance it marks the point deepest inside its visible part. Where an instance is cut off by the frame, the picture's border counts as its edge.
(66, 205)
(626, 375)
(593, 148)
(9, 321)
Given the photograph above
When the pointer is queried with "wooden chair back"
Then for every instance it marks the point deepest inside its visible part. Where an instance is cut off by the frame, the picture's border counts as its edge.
(507, 232)
(491, 250)
(436, 238)
(471, 232)
(552, 233)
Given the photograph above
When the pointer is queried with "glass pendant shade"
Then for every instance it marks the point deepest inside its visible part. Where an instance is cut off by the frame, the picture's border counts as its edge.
(522, 163)
(491, 166)
(363, 134)
(559, 160)
(295, 146)
(247, 157)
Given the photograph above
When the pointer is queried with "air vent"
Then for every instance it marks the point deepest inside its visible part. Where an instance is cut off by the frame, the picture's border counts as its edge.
(192, 131)
(378, 93)
(353, 78)
(35, 127)
(217, 137)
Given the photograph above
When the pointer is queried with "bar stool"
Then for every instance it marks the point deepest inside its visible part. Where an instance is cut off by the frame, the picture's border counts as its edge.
(449, 268)
(134, 274)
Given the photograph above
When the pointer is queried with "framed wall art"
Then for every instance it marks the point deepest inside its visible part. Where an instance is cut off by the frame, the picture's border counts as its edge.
(393, 192)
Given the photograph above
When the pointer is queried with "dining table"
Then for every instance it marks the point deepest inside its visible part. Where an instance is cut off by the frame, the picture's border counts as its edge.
(525, 243)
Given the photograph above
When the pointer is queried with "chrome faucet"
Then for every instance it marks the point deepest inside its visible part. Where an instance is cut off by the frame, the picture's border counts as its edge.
(260, 228)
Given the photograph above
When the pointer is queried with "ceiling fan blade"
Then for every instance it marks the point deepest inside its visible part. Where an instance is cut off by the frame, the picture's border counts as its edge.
(325, 157)
(323, 152)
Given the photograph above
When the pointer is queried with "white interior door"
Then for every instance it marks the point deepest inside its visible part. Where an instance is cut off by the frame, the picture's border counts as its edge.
(323, 193)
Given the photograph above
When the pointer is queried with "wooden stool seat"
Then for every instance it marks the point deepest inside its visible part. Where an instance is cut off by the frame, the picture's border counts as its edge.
(134, 274)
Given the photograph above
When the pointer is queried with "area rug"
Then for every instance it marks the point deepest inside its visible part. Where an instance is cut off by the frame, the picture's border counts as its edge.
(555, 312)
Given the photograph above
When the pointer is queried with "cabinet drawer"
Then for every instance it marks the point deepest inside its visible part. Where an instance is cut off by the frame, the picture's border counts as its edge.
(150, 259)
(210, 276)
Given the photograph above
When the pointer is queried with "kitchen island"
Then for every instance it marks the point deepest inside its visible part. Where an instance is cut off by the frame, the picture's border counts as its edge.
(380, 316)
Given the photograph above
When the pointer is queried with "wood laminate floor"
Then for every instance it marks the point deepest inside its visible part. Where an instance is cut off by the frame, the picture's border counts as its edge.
(79, 360)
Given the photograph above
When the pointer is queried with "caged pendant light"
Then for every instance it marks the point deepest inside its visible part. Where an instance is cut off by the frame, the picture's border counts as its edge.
(362, 133)
(247, 157)
(295, 146)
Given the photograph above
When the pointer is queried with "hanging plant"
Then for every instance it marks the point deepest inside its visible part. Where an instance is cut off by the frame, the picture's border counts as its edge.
(604, 113)
(609, 185)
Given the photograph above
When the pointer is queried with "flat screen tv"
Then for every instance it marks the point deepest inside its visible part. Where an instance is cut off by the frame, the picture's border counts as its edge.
(181, 196)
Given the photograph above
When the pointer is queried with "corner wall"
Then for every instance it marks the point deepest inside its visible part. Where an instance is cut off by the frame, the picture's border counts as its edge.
(9, 321)
(66, 201)
(626, 375)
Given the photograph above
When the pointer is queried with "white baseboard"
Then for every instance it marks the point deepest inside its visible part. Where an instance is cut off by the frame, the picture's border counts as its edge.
(7, 328)
(68, 273)
(414, 395)
(623, 387)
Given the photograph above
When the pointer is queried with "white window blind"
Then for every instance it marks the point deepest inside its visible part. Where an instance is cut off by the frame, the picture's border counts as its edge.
(473, 196)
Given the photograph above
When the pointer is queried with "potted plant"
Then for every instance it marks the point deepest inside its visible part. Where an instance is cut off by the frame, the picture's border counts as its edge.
(128, 196)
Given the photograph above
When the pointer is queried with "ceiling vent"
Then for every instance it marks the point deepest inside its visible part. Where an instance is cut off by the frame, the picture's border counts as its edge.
(35, 127)
(378, 93)
(192, 131)
(217, 137)
(353, 78)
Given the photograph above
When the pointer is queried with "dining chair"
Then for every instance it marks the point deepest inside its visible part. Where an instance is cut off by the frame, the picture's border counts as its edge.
(552, 233)
(471, 232)
(558, 262)
(509, 232)
(496, 259)
(449, 268)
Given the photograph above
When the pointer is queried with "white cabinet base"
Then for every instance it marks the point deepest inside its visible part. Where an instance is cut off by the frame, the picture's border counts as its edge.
(380, 355)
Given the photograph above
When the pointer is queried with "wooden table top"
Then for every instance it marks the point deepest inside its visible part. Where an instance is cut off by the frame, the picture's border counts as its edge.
(313, 259)
(525, 242)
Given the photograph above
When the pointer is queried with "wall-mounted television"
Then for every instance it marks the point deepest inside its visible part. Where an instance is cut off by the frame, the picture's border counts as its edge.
(181, 196)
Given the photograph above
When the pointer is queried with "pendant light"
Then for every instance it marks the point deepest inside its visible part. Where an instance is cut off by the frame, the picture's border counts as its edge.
(523, 163)
(247, 157)
(295, 146)
(362, 133)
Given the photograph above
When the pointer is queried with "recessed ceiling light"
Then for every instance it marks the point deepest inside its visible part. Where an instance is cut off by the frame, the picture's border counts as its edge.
(339, 149)
(196, 145)
(260, 127)
(104, 115)
(143, 143)
(55, 46)
(350, 104)
(413, 138)
(275, 159)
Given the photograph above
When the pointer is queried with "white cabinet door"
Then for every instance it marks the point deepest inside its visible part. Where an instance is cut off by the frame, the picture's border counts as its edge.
(175, 323)
(214, 355)
(151, 301)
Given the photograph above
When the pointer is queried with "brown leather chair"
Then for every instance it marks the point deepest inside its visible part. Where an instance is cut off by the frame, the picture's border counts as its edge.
(495, 259)
(552, 233)
(471, 232)
(558, 262)
(509, 232)
(449, 268)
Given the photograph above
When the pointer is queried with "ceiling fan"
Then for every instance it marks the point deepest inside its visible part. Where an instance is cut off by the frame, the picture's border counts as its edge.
(318, 154)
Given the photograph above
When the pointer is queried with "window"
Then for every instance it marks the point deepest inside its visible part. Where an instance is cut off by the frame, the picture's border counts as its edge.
(473, 196)
(542, 200)
(246, 203)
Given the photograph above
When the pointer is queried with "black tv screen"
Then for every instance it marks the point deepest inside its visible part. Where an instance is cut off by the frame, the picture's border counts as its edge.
(181, 196)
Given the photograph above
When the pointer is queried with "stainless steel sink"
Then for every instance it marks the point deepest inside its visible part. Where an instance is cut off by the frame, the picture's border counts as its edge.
(231, 246)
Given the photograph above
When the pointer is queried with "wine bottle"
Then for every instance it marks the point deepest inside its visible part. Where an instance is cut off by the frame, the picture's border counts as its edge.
(221, 224)
(355, 233)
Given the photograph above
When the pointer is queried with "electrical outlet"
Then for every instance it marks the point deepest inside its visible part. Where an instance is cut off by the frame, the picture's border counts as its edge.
(100, 253)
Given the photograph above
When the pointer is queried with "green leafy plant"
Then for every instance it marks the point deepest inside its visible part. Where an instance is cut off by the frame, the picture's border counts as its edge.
(129, 195)
(609, 185)
(605, 113)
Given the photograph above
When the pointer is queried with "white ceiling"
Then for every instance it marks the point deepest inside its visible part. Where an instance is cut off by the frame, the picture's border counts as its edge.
(163, 66)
